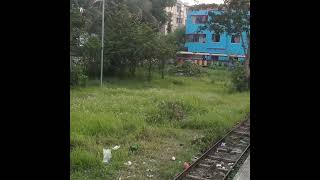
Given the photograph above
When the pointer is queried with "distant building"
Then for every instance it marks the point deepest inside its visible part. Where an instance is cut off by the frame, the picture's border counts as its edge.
(205, 47)
(178, 16)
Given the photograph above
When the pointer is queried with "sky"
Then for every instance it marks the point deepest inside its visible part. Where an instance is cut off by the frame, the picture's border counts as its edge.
(192, 2)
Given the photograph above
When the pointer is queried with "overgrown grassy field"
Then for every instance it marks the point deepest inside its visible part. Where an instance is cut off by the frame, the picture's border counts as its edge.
(177, 116)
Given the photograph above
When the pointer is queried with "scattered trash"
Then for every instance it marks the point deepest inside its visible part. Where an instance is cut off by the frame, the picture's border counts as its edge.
(148, 170)
(128, 163)
(106, 156)
(223, 144)
(230, 164)
(144, 163)
(194, 158)
(186, 165)
(236, 151)
(221, 149)
(116, 147)
(149, 175)
(242, 141)
(218, 165)
(173, 158)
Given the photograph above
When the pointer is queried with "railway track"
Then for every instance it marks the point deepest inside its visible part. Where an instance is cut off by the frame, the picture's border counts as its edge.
(217, 162)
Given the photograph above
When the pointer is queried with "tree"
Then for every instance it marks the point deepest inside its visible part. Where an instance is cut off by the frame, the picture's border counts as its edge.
(177, 38)
(128, 43)
(234, 19)
(158, 10)
(131, 28)
(151, 11)
(166, 50)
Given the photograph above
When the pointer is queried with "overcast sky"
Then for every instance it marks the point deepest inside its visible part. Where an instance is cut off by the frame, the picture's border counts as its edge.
(192, 2)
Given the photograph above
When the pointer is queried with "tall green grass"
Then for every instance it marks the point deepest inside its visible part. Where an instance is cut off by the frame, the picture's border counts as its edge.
(118, 113)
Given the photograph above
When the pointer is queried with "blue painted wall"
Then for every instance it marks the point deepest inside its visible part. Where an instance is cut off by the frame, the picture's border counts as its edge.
(223, 47)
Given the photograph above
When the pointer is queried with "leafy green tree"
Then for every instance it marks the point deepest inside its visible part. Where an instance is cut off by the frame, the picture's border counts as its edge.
(165, 50)
(131, 35)
(158, 10)
(177, 38)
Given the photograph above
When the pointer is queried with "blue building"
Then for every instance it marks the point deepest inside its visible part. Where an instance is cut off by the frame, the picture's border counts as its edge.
(206, 47)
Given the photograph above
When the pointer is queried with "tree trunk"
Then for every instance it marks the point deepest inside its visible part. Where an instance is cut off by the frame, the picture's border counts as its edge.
(133, 68)
(162, 69)
(248, 60)
(149, 70)
(248, 64)
(247, 55)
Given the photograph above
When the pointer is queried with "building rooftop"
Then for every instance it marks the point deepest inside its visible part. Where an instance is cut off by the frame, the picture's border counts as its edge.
(205, 7)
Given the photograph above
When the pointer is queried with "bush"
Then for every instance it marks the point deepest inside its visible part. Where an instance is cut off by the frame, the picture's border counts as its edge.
(239, 79)
(188, 69)
(78, 76)
(169, 111)
(177, 82)
(218, 65)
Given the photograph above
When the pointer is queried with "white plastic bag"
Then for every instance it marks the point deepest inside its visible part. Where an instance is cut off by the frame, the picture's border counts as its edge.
(116, 147)
(106, 155)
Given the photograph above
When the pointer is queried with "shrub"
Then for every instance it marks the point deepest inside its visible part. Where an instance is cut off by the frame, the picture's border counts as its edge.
(169, 111)
(177, 82)
(188, 69)
(239, 79)
(77, 75)
(220, 65)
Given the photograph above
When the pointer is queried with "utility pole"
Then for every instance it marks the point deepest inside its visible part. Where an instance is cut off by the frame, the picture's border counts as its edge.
(102, 40)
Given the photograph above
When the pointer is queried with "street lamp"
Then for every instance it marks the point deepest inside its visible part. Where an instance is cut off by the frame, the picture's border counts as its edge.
(102, 36)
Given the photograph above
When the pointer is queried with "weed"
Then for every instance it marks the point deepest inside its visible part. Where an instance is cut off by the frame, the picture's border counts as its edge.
(183, 109)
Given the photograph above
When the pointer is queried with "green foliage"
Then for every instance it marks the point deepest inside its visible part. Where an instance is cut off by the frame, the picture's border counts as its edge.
(233, 20)
(188, 68)
(151, 11)
(129, 44)
(116, 115)
(158, 10)
(77, 75)
(91, 48)
(218, 65)
(168, 111)
(177, 38)
(204, 6)
(134, 148)
(239, 78)
(177, 82)
(169, 28)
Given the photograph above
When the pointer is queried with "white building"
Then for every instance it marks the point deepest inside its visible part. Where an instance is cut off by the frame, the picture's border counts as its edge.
(178, 16)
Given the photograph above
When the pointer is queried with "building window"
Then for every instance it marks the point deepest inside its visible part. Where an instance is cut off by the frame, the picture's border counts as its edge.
(178, 8)
(215, 37)
(235, 39)
(196, 38)
(179, 20)
(199, 19)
